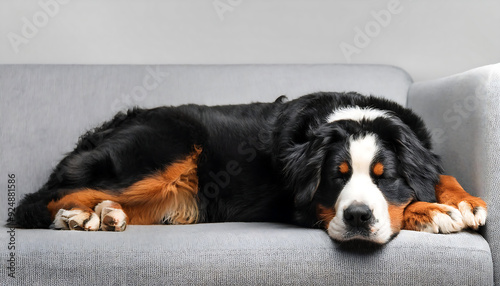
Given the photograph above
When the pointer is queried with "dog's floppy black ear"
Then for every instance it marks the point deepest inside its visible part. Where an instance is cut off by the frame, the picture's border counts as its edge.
(418, 165)
(302, 170)
(302, 162)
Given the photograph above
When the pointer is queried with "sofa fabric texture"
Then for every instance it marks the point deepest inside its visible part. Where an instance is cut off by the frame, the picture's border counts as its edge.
(45, 108)
(246, 254)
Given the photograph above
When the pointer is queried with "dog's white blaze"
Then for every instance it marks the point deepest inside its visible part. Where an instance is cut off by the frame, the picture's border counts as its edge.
(356, 113)
(360, 188)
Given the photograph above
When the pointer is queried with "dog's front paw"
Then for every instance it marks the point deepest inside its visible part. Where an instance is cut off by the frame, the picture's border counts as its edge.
(76, 219)
(433, 217)
(473, 211)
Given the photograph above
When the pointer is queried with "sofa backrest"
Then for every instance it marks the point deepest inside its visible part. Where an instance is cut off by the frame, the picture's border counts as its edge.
(45, 108)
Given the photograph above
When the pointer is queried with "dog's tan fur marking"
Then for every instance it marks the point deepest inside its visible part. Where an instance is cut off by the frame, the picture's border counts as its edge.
(325, 215)
(378, 169)
(344, 168)
(396, 213)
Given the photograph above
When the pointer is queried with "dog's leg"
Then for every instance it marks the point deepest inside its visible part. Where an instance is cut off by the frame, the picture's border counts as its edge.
(432, 217)
(455, 210)
(473, 209)
(168, 196)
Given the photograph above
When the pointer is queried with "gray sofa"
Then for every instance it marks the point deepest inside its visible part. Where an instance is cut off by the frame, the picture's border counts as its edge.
(44, 108)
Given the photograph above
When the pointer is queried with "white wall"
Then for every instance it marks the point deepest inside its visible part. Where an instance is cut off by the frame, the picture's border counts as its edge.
(429, 39)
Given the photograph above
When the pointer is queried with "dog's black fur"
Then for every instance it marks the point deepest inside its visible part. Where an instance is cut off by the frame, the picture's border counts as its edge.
(260, 162)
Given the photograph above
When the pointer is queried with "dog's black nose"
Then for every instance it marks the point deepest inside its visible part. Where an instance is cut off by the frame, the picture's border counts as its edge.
(358, 215)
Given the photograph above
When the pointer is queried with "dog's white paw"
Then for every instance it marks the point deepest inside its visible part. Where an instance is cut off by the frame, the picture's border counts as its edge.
(76, 219)
(445, 219)
(473, 216)
(113, 218)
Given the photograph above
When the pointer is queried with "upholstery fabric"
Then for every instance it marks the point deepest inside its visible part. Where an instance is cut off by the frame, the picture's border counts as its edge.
(463, 112)
(245, 254)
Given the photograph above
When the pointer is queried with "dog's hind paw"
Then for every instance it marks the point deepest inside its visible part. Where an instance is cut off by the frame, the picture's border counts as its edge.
(113, 218)
(76, 219)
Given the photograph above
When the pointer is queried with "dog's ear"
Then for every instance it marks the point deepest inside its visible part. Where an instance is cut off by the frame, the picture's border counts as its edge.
(302, 162)
(302, 170)
(418, 165)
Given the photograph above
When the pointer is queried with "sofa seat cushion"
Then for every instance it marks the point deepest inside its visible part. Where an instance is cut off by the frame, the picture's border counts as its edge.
(244, 254)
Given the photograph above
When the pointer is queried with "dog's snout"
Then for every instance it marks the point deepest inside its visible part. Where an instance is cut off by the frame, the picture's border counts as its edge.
(358, 215)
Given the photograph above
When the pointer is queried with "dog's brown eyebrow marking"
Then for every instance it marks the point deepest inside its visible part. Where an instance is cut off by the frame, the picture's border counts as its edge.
(344, 168)
(378, 169)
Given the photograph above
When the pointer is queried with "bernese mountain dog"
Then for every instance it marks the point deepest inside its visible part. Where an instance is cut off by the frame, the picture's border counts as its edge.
(360, 167)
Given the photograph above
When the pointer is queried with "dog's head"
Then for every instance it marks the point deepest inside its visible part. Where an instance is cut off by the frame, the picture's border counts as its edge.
(356, 173)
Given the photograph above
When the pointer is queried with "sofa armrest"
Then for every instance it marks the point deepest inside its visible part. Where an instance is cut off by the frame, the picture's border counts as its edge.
(463, 114)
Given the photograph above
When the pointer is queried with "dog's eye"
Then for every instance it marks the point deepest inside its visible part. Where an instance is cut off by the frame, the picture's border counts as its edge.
(378, 169)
